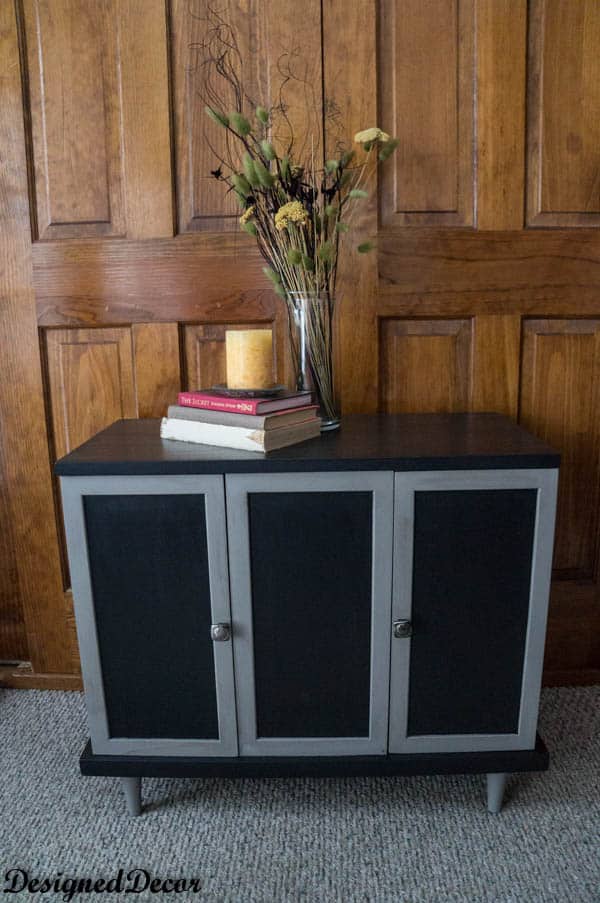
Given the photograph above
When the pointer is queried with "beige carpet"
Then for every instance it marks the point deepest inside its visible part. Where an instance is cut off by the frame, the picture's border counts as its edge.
(370, 839)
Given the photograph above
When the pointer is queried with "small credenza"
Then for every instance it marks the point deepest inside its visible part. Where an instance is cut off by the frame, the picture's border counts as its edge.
(373, 601)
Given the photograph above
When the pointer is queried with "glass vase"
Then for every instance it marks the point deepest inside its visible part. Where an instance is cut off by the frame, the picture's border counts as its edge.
(311, 334)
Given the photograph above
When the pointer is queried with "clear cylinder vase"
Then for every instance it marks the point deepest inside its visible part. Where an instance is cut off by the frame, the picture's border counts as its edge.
(311, 316)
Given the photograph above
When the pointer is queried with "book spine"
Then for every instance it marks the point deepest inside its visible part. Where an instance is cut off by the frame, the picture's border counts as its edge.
(195, 400)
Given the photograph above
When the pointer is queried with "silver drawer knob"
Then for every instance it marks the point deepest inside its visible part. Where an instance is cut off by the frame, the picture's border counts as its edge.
(220, 632)
(402, 629)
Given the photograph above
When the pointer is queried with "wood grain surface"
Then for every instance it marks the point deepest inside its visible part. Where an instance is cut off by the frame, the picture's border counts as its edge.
(501, 91)
(563, 125)
(426, 76)
(26, 462)
(273, 41)
(122, 263)
(350, 82)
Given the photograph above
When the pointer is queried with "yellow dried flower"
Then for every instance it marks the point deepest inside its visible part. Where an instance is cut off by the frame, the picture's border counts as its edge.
(292, 212)
(373, 134)
(247, 214)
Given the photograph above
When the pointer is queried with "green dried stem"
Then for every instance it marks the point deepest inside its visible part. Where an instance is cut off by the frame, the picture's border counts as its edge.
(302, 248)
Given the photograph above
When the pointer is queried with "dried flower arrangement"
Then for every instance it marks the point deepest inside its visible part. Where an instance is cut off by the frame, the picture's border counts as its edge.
(297, 212)
(295, 207)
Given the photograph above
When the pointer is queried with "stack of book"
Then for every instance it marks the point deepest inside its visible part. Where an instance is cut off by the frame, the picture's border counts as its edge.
(251, 424)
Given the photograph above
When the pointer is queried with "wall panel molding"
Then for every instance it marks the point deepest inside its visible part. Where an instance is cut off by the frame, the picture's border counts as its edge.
(426, 76)
(272, 42)
(563, 140)
(440, 348)
(99, 118)
(73, 59)
(91, 382)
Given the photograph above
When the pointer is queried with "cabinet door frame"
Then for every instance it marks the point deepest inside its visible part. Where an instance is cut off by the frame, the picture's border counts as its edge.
(545, 481)
(74, 490)
(380, 484)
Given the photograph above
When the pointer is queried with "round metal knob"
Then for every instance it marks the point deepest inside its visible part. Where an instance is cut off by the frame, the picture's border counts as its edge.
(402, 629)
(220, 632)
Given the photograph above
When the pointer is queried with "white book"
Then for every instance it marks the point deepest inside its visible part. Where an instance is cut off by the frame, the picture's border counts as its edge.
(243, 438)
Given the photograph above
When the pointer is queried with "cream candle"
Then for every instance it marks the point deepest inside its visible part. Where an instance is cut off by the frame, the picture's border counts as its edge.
(249, 355)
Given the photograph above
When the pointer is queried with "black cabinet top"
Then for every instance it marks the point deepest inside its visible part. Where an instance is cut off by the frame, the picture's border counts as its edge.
(364, 442)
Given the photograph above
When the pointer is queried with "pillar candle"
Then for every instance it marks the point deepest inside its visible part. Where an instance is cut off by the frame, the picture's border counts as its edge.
(249, 354)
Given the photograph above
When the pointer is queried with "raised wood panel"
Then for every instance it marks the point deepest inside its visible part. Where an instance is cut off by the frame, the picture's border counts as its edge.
(426, 78)
(202, 202)
(204, 345)
(564, 113)
(272, 44)
(99, 114)
(73, 74)
(409, 349)
(91, 382)
(560, 402)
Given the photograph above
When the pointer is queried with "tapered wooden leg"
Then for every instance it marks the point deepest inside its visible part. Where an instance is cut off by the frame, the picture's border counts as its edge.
(495, 791)
(132, 788)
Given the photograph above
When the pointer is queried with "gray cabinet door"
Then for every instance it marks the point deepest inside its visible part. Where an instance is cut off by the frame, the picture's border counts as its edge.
(472, 561)
(148, 560)
(310, 567)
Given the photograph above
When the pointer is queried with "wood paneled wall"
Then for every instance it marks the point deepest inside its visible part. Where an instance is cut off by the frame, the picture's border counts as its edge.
(502, 314)
(123, 262)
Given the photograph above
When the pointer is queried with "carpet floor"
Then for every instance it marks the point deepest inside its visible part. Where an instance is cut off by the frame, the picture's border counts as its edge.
(406, 840)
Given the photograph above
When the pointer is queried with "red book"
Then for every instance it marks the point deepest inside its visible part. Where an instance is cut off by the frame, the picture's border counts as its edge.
(283, 402)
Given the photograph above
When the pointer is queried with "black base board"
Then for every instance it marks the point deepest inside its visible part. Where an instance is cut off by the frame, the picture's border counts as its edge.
(315, 766)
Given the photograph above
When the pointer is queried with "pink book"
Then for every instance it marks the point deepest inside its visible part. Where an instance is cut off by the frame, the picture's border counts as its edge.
(213, 402)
